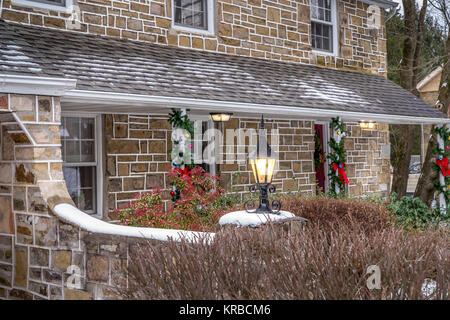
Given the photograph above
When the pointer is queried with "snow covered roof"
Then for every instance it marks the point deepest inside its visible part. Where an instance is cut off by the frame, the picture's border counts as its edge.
(121, 66)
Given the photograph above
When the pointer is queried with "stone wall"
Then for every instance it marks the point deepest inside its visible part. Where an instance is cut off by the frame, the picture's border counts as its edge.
(38, 251)
(368, 160)
(136, 154)
(275, 29)
(295, 140)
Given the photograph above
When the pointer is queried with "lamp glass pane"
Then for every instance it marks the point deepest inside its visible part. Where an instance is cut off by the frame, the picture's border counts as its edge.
(263, 169)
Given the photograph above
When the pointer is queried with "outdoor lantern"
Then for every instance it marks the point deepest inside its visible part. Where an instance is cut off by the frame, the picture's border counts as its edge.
(368, 125)
(262, 162)
(221, 116)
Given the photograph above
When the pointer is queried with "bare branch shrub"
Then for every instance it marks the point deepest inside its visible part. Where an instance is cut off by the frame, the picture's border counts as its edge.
(327, 260)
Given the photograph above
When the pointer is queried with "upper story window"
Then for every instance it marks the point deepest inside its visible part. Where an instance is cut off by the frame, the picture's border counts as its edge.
(193, 15)
(81, 166)
(324, 26)
(56, 5)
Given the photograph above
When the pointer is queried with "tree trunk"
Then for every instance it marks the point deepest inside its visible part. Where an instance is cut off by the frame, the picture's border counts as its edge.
(409, 67)
(424, 189)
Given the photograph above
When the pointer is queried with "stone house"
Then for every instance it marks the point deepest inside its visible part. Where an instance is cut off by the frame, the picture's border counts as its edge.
(85, 91)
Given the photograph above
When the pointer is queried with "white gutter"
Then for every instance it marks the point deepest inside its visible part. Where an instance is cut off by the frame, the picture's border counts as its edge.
(35, 85)
(126, 100)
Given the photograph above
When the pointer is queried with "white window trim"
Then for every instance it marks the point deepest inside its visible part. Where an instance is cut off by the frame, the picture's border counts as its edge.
(210, 12)
(68, 8)
(98, 158)
(334, 24)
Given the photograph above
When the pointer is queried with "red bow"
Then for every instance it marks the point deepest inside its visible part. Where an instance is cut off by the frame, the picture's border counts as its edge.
(341, 172)
(443, 164)
(183, 172)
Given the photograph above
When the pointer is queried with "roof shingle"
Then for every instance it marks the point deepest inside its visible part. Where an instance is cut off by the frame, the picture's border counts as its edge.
(113, 65)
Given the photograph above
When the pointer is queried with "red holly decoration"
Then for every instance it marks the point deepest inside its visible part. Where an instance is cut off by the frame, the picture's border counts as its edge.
(340, 169)
(443, 164)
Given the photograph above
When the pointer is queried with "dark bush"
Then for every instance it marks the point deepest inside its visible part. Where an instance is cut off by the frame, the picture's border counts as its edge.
(316, 263)
(326, 213)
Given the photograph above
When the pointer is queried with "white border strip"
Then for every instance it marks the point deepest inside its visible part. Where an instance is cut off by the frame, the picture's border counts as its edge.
(73, 215)
(128, 100)
(35, 85)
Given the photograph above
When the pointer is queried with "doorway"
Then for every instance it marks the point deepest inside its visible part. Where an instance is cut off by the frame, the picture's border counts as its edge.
(320, 155)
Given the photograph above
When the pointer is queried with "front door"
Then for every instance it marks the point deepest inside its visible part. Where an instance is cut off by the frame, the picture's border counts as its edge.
(320, 157)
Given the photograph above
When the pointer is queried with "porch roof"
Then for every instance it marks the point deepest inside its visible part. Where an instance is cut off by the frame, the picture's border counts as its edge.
(101, 64)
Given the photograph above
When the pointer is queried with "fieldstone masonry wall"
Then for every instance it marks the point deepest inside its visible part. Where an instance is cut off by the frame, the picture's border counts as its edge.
(38, 251)
(137, 156)
(295, 142)
(269, 29)
(368, 160)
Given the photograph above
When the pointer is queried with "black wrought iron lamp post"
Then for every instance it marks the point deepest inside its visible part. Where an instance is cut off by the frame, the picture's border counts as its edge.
(262, 163)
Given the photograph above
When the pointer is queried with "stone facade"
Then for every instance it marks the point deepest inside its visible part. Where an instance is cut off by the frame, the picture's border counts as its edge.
(368, 160)
(278, 29)
(41, 255)
(294, 145)
(136, 155)
(137, 158)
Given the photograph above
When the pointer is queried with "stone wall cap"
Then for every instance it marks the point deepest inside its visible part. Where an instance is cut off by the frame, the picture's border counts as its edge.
(245, 219)
(73, 215)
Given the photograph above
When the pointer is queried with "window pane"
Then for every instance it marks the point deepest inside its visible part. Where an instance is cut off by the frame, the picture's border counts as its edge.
(71, 151)
(322, 36)
(190, 13)
(321, 10)
(54, 2)
(72, 128)
(87, 128)
(87, 151)
(80, 183)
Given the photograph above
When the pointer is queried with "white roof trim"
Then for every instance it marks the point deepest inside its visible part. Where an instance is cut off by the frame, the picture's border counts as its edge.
(429, 77)
(130, 100)
(73, 215)
(35, 85)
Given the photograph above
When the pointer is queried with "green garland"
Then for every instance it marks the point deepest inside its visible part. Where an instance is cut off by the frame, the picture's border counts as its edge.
(442, 153)
(181, 157)
(337, 156)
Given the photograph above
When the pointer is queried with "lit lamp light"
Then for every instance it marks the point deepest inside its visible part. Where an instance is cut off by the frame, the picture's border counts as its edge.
(262, 163)
(368, 125)
(220, 117)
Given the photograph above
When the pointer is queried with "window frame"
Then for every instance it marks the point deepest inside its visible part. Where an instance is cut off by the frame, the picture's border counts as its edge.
(98, 147)
(41, 4)
(210, 20)
(334, 25)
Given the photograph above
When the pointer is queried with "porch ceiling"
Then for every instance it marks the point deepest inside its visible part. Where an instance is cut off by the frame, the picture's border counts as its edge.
(129, 76)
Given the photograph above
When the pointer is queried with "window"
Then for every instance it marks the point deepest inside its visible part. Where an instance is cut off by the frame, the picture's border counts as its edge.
(323, 25)
(81, 161)
(193, 15)
(56, 5)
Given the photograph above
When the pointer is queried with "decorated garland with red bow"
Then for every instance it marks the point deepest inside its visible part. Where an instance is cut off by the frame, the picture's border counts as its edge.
(181, 155)
(441, 163)
(337, 157)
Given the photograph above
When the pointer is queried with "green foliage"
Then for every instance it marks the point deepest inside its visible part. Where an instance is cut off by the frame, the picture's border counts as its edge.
(198, 207)
(337, 156)
(178, 120)
(412, 213)
(444, 133)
